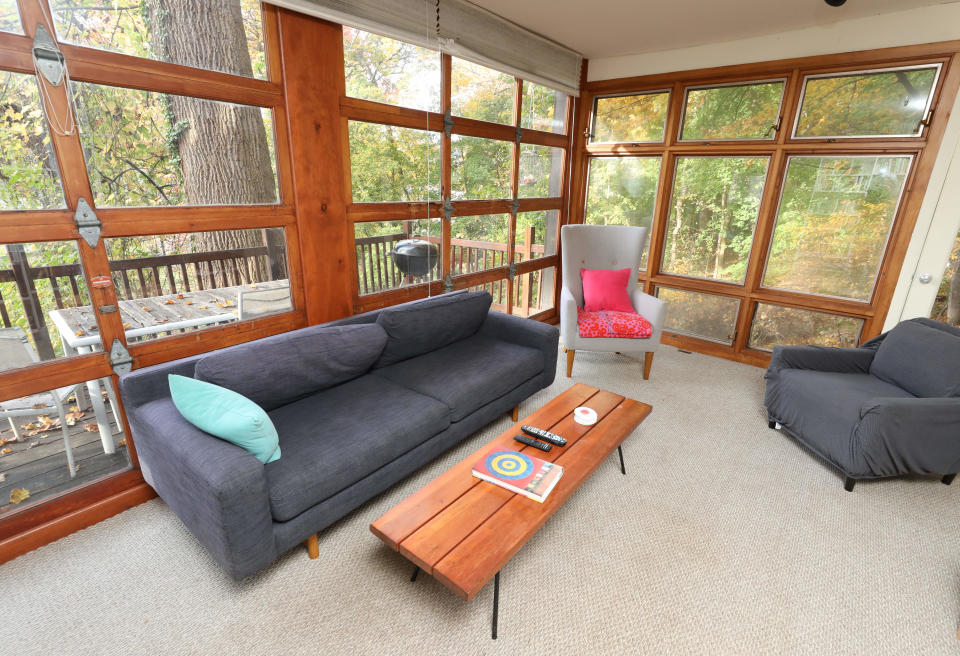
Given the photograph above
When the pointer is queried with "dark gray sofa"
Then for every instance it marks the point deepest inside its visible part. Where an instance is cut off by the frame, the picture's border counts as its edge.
(359, 404)
(888, 408)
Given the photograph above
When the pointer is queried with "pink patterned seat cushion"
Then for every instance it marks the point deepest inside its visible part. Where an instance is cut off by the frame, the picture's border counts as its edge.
(610, 323)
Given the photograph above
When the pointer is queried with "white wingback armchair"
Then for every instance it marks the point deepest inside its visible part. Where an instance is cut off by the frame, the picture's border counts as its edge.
(605, 247)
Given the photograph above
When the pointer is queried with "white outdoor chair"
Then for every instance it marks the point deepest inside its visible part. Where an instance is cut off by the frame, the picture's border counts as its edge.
(605, 247)
(16, 351)
(253, 303)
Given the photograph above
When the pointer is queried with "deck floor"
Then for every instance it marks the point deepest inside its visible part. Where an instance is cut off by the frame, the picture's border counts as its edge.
(38, 463)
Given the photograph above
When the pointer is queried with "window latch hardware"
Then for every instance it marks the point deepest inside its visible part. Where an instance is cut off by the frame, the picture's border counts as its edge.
(512, 271)
(47, 57)
(107, 309)
(87, 223)
(120, 358)
(775, 128)
(447, 284)
(447, 123)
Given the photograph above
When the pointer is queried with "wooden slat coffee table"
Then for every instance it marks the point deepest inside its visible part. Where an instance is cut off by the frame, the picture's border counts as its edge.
(462, 530)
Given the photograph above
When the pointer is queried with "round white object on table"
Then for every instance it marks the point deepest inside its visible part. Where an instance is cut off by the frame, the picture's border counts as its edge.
(585, 416)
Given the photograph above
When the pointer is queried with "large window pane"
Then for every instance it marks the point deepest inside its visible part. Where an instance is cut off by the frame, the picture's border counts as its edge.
(946, 304)
(832, 225)
(480, 168)
(533, 292)
(383, 262)
(889, 103)
(385, 70)
(481, 93)
(57, 440)
(543, 108)
(746, 111)
(44, 305)
(10, 17)
(29, 176)
(776, 325)
(541, 171)
(636, 118)
(388, 163)
(218, 35)
(146, 149)
(536, 234)
(713, 212)
(700, 315)
(623, 191)
(169, 284)
(478, 243)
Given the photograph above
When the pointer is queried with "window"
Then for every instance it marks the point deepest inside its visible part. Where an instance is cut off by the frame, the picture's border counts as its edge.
(384, 70)
(706, 316)
(381, 266)
(228, 38)
(877, 103)
(534, 292)
(541, 171)
(10, 17)
(713, 213)
(481, 93)
(623, 191)
(479, 243)
(832, 224)
(635, 118)
(776, 324)
(389, 163)
(29, 176)
(543, 108)
(536, 234)
(168, 284)
(146, 149)
(480, 168)
(738, 111)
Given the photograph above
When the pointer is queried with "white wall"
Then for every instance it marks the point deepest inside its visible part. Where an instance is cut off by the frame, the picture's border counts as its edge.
(939, 217)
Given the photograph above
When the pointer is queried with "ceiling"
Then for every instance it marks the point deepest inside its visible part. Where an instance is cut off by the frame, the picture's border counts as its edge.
(609, 28)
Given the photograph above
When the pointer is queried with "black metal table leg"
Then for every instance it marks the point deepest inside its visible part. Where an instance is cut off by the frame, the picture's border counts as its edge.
(413, 577)
(496, 603)
(623, 470)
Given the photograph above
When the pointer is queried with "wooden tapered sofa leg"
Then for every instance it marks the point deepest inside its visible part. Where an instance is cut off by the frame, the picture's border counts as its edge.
(647, 363)
(570, 353)
(313, 547)
(948, 479)
(848, 483)
(515, 413)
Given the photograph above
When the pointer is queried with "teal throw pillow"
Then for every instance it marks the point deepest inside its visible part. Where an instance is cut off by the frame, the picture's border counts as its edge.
(226, 414)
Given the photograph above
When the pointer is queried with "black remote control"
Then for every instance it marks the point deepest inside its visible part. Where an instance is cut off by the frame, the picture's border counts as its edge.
(529, 441)
(546, 436)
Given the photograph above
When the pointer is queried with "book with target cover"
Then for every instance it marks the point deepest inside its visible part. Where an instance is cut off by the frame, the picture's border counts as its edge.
(518, 472)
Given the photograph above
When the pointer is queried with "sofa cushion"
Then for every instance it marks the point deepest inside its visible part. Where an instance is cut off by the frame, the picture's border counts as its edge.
(280, 369)
(468, 374)
(823, 407)
(417, 328)
(920, 359)
(334, 438)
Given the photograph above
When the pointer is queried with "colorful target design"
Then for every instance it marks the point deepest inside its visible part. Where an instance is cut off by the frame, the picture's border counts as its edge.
(509, 464)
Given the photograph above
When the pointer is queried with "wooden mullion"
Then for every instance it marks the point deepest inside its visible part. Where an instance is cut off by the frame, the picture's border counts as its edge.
(514, 191)
(51, 374)
(790, 106)
(15, 52)
(661, 214)
(169, 220)
(357, 109)
(446, 170)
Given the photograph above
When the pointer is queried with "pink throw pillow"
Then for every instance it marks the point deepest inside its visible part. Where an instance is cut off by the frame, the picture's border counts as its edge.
(606, 290)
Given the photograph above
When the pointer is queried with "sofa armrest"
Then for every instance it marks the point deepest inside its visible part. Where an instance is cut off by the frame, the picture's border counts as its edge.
(217, 489)
(525, 332)
(568, 316)
(653, 310)
(910, 435)
(821, 358)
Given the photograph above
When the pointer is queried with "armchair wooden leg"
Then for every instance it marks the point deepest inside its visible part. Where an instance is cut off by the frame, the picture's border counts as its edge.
(570, 353)
(313, 547)
(515, 413)
(647, 363)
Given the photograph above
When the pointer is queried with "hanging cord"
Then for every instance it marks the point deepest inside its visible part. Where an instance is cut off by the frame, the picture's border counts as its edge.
(63, 128)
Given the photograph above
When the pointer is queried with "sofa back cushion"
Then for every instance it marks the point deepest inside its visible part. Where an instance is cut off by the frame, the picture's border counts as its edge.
(417, 328)
(278, 370)
(920, 359)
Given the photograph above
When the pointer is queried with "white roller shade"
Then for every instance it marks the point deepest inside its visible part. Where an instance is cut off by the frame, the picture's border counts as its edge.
(465, 31)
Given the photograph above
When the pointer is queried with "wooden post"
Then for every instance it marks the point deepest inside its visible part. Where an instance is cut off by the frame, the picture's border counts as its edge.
(23, 275)
(273, 240)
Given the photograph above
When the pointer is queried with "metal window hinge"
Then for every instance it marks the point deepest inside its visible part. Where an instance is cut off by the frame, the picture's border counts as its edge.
(87, 223)
(512, 271)
(519, 135)
(447, 208)
(447, 123)
(47, 57)
(120, 358)
(448, 283)
(515, 207)
(924, 122)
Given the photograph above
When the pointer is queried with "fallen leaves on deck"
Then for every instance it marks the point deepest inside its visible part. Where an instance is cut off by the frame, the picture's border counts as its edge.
(170, 302)
(19, 494)
(4, 452)
(91, 428)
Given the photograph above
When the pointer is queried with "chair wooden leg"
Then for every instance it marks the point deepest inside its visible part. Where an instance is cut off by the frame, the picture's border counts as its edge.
(313, 547)
(515, 413)
(647, 363)
(570, 353)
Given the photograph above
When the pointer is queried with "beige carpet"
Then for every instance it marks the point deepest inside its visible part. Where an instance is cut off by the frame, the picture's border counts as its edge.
(724, 538)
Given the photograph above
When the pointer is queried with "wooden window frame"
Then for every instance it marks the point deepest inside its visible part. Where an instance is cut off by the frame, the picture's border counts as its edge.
(923, 148)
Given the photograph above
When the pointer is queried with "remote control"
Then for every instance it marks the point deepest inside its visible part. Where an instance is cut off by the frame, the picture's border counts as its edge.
(546, 436)
(529, 441)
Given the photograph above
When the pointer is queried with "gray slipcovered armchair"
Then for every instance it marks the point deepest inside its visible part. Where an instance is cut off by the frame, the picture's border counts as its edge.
(888, 408)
